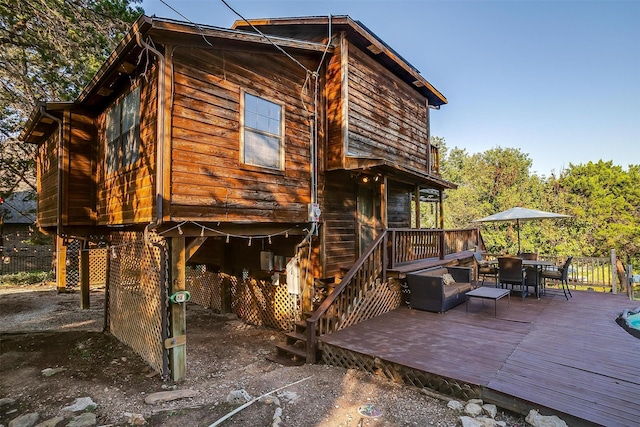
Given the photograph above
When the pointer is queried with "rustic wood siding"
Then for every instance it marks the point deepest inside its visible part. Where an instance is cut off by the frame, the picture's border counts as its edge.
(399, 205)
(47, 181)
(387, 118)
(339, 222)
(208, 182)
(334, 95)
(127, 196)
(79, 197)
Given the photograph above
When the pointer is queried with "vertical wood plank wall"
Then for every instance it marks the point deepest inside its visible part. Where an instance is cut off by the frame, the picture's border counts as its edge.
(47, 182)
(208, 181)
(126, 196)
(79, 200)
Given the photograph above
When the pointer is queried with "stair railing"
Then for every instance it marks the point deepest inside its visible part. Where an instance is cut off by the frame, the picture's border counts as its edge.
(335, 309)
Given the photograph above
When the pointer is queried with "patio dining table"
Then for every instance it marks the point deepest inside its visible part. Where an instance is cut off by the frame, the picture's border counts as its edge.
(539, 265)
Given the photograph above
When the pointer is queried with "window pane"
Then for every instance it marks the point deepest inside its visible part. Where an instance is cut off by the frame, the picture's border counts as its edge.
(112, 137)
(261, 150)
(131, 127)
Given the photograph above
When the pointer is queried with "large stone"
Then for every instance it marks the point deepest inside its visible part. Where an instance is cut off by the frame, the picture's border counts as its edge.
(6, 401)
(81, 404)
(26, 420)
(167, 396)
(455, 405)
(473, 409)
(135, 419)
(52, 422)
(536, 420)
(490, 410)
(88, 419)
(48, 372)
(238, 397)
(477, 422)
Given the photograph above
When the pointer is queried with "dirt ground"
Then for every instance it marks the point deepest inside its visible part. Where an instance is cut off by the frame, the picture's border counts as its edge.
(40, 328)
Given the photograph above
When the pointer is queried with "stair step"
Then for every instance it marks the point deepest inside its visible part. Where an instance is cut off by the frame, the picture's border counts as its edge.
(284, 360)
(292, 337)
(285, 349)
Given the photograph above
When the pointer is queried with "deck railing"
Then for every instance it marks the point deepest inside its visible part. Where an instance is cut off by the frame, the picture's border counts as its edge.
(587, 273)
(407, 245)
(334, 311)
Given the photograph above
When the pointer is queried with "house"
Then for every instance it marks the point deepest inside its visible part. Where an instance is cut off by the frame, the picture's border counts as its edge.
(241, 153)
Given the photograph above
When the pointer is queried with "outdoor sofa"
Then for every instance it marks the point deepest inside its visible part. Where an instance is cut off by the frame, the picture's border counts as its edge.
(429, 292)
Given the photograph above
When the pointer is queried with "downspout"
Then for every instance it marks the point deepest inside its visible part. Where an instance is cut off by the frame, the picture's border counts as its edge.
(160, 136)
(43, 111)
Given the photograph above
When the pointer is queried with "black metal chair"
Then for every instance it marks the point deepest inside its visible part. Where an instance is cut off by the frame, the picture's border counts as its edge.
(485, 269)
(561, 274)
(511, 272)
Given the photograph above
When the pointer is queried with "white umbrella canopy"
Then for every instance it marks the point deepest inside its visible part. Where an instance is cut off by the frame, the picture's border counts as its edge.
(520, 214)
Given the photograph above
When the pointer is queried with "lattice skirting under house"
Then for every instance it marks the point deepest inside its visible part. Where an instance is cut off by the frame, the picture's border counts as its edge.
(336, 356)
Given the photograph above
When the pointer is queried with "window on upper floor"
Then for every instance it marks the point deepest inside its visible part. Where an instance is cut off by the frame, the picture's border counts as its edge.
(262, 133)
(123, 131)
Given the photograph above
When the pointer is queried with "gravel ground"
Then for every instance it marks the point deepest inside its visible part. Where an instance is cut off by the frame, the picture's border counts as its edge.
(40, 328)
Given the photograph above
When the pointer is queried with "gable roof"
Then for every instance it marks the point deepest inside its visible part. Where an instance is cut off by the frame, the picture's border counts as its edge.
(358, 34)
(122, 60)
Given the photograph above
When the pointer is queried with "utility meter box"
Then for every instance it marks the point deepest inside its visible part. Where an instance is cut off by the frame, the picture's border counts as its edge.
(314, 212)
(266, 260)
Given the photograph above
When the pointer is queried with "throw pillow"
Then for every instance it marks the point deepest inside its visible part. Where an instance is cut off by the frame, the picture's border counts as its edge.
(448, 279)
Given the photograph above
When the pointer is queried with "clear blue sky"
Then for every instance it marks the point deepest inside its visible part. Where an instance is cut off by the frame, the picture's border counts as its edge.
(559, 80)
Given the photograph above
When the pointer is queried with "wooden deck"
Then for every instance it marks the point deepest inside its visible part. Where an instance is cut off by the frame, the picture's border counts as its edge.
(564, 357)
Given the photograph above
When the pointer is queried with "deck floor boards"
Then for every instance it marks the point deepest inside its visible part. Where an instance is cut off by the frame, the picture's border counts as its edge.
(568, 356)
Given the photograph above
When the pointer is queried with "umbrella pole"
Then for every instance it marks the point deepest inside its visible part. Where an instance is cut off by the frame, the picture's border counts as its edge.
(518, 228)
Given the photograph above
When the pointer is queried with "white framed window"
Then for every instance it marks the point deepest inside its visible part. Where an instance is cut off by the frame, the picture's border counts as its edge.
(262, 133)
(123, 131)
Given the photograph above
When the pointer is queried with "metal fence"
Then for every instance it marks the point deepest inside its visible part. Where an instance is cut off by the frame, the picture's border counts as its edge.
(18, 263)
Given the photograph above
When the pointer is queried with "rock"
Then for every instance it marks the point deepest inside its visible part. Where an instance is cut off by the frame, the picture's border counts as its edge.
(26, 420)
(135, 419)
(269, 400)
(477, 422)
(6, 401)
(167, 396)
(81, 404)
(473, 409)
(476, 401)
(48, 372)
(289, 396)
(536, 420)
(455, 405)
(86, 419)
(490, 410)
(53, 422)
(238, 397)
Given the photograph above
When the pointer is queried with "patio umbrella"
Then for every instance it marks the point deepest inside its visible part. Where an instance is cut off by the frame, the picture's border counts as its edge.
(520, 214)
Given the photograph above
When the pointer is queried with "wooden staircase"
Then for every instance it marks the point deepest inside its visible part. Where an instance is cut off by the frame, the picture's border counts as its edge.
(294, 350)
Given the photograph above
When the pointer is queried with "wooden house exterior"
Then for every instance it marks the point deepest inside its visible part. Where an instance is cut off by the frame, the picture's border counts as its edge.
(226, 146)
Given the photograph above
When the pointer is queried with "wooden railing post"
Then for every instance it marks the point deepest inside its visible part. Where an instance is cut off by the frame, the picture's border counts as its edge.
(311, 341)
(441, 244)
(614, 276)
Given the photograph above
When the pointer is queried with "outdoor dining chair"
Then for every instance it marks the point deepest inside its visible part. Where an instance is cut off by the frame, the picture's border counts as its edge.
(485, 269)
(511, 272)
(561, 274)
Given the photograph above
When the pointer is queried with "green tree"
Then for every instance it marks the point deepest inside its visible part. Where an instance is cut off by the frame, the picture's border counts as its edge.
(49, 49)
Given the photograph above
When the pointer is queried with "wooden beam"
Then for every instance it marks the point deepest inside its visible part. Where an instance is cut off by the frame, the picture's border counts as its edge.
(61, 265)
(193, 247)
(84, 279)
(178, 326)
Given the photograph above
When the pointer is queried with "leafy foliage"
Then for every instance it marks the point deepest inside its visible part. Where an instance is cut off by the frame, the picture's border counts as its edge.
(49, 51)
(603, 200)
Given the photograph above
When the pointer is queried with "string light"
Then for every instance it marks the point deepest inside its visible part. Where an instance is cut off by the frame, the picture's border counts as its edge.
(180, 230)
(227, 238)
(202, 232)
(249, 241)
(269, 239)
(113, 253)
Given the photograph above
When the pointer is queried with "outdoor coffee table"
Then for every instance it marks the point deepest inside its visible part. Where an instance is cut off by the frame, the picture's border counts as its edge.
(489, 293)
